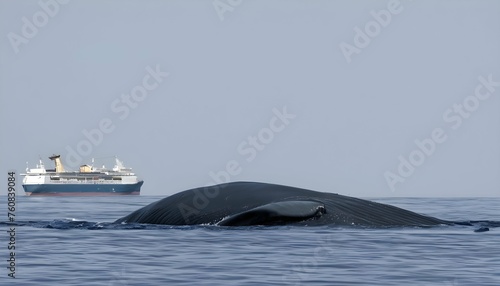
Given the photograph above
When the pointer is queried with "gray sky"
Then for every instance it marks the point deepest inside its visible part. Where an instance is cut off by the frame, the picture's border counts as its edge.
(325, 95)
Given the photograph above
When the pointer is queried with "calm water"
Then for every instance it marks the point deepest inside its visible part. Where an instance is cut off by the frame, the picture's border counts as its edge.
(69, 241)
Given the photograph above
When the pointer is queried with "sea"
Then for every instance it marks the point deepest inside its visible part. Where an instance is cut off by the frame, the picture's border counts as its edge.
(72, 241)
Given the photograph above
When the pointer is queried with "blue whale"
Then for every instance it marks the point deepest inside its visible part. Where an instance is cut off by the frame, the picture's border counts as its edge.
(252, 203)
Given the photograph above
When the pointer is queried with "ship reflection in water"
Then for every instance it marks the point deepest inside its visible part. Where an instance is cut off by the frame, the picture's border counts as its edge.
(89, 181)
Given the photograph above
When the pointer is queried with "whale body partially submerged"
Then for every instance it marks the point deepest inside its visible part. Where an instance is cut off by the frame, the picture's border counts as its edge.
(251, 203)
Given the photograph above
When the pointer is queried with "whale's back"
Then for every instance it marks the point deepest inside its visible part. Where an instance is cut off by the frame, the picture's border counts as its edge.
(247, 203)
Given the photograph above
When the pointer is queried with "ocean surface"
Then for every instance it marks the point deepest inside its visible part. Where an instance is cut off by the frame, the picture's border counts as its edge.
(71, 241)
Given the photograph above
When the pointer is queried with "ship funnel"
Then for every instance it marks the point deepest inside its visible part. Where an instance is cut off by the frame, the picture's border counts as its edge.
(57, 161)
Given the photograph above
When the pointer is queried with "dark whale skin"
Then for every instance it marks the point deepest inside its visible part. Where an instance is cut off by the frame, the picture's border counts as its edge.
(253, 203)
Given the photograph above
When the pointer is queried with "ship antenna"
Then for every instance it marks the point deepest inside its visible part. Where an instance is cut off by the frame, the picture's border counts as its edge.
(40, 161)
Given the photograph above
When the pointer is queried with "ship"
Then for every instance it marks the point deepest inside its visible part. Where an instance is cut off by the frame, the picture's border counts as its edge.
(88, 181)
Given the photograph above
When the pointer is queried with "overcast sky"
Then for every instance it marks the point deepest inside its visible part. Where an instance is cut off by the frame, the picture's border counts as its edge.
(364, 98)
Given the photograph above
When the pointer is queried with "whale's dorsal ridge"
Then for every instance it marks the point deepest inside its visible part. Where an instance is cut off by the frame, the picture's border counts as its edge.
(276, 213)
(253, 203)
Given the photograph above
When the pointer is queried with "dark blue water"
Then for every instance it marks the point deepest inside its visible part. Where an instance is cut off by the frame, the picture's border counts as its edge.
(70, 241)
